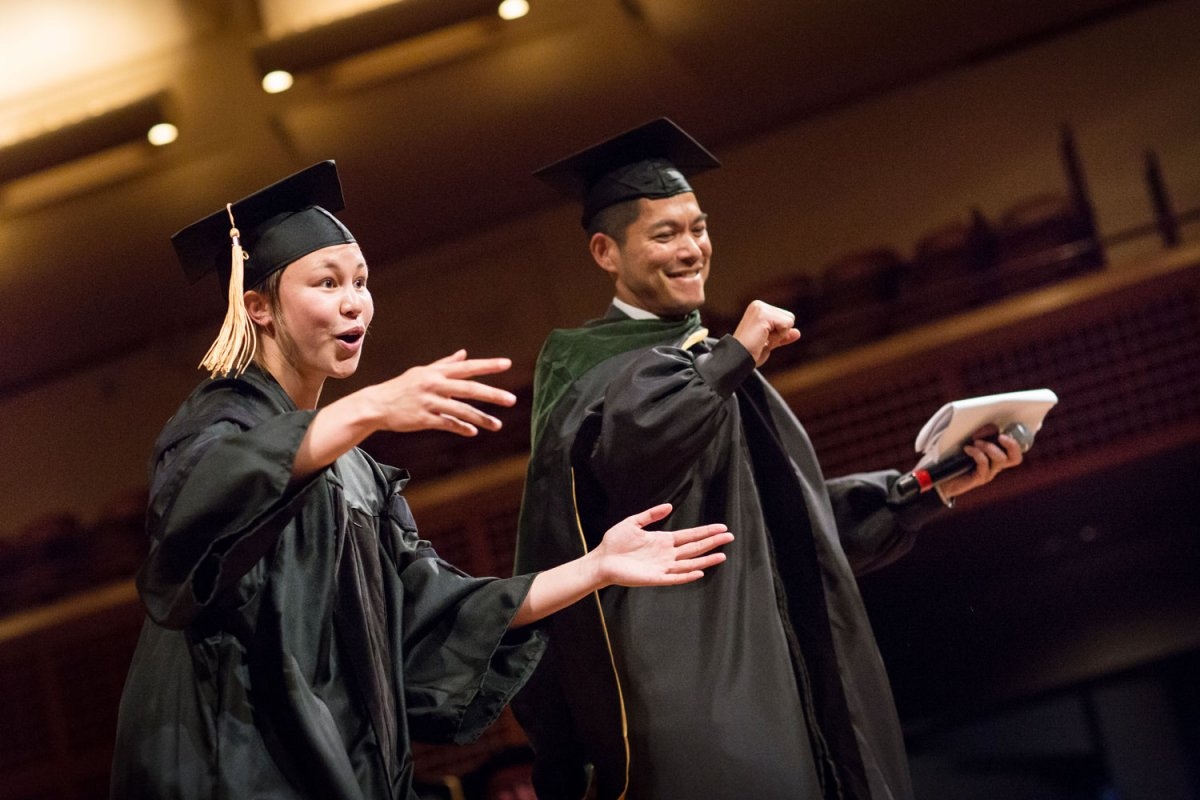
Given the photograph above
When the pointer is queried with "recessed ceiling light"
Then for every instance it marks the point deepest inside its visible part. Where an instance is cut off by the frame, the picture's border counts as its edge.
(277, 81)
(513, 9)
(162, 133)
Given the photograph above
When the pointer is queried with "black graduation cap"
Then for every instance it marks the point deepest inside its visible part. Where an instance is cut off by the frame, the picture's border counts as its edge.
(651, 161)
(277, 225)
(248, 240)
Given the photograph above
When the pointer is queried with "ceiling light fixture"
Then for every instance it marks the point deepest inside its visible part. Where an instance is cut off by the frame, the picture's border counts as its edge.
(162, 134)
(277, 80)
(74, 140)
(513, 9)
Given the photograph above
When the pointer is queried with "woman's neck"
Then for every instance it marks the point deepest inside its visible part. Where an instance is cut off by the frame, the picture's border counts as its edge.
(305, 392)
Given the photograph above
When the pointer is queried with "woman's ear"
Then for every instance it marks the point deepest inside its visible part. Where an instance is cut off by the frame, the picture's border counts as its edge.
(258, 308)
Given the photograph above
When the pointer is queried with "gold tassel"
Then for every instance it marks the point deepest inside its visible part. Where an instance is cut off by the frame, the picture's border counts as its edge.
(234, 347)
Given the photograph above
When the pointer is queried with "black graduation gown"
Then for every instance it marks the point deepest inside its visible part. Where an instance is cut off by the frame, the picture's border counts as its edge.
(761, 680)
(299, 636)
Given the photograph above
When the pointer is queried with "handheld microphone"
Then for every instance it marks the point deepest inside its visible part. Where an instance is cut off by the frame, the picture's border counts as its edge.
(924, 479)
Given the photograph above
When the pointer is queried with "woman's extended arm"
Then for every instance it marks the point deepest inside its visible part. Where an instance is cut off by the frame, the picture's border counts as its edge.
(628, 555)
(436, 396)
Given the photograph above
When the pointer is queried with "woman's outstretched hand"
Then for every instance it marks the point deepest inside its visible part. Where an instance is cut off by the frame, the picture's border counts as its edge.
(630, 555)
(438, 396)
(442, 396)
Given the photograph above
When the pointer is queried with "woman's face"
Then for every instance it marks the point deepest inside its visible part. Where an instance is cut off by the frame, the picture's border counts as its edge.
(323, 311)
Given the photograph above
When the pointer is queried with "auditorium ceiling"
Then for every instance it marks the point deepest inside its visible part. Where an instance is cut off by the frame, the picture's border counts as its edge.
(436, 111)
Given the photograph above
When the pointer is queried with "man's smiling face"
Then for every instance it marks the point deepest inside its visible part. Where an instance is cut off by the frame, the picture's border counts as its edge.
(664, 261)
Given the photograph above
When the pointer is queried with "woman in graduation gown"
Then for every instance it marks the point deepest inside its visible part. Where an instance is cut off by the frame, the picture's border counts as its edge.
(300, 633)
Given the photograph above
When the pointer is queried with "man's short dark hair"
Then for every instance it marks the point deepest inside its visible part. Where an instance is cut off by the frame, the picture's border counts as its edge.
(615, 220)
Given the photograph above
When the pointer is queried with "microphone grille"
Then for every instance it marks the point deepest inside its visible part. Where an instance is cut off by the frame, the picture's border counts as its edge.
(1023, 435)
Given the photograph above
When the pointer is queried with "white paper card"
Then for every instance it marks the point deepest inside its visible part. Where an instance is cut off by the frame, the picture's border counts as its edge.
(951, 427)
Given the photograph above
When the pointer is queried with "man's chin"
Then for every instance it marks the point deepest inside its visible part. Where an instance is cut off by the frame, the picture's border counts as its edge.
(673, 306)
(685, 306)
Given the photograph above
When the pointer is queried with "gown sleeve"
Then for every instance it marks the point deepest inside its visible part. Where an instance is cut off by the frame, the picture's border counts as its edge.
(219, 501)
(461, 671)
(874, 526)
(462, 664)
(663, 409)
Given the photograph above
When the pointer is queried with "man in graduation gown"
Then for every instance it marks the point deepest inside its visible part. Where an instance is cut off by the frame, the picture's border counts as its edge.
(764, 680)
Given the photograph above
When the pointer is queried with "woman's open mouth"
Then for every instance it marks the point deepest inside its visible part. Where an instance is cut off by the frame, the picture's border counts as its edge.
(352, 337)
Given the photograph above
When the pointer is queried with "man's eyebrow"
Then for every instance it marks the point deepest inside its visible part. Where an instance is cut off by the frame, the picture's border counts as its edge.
(668, 222)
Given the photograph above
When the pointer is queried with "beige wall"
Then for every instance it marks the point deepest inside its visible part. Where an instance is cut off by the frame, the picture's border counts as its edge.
(881, 172)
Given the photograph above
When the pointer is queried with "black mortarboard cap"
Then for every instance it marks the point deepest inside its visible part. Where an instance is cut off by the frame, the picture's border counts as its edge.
(254, 237)
(277, 225)
(652, 160)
